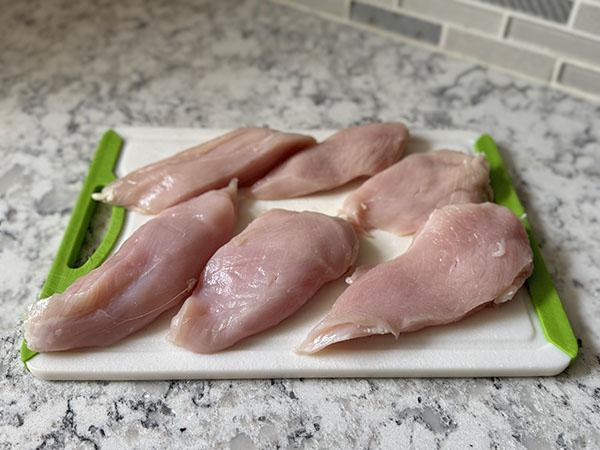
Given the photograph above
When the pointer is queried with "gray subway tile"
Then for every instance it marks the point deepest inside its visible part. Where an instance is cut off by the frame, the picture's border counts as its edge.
(554, 10)
(588, 18)
(583, 79)
(556, 41)
(500, 54)
(467, 15)
(335, 7)
(382, 2)
(398, 23)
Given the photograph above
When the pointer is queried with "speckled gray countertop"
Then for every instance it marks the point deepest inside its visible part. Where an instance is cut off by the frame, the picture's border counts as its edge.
(70, 69)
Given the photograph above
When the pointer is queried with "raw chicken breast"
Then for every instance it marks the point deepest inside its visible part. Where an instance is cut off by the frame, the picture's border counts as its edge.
(155, 269)
(262, 276)
(349, 154)
(464, 257)
(400, 198)
(246, 154)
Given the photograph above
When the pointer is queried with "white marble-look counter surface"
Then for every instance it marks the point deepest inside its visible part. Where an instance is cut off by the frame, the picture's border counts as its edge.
(70, 69)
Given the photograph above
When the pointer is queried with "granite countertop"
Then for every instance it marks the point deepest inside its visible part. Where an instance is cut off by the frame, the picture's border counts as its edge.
(68, 72)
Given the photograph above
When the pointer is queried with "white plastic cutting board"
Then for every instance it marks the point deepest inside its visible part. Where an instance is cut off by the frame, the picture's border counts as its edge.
(497, 341)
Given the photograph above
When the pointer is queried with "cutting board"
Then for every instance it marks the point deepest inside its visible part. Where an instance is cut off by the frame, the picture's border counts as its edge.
(529, 335)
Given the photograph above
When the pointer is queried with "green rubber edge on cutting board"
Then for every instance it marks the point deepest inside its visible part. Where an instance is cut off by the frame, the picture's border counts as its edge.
(62, 272)
(544, 297)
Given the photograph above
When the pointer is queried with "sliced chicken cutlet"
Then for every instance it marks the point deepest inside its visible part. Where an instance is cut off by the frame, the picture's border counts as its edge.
(262, 276)
(400, 198)
(351, 153)
(155, 269)
(246, 154)
(463, 258)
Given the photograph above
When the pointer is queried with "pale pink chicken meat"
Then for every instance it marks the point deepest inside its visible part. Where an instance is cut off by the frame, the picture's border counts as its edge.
(351, 153)
(246, 154)
(400, 198)
(262, 276)
(155, 269)
(462, 259)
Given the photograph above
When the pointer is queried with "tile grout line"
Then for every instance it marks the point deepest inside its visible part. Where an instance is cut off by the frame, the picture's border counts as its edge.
(443, 36)
(574, 11)
(581, 65)
(347, 9)
(575, 92)
(556, 70)
(504, 26)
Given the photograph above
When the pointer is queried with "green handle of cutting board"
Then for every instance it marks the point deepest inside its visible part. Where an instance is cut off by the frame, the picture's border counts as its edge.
(544, 297)
(62, 273)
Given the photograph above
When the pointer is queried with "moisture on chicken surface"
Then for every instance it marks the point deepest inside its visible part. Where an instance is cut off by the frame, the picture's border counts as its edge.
(155, 269)
(400, 198)
(351, 153)
(246, 154)
(463, 258)
(262, 276)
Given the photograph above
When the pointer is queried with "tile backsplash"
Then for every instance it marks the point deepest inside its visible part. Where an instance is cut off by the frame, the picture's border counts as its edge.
(396, 22)
(553, 41)
(554, 10)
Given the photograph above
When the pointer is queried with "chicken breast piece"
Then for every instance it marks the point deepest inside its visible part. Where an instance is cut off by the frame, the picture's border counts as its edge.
(246, 154)
(262, 276)
(400, 198)
(155, 269)
(351, 153)
(464, 257)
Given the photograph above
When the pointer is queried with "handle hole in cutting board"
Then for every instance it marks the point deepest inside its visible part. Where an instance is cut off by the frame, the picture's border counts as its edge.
(95, 231)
